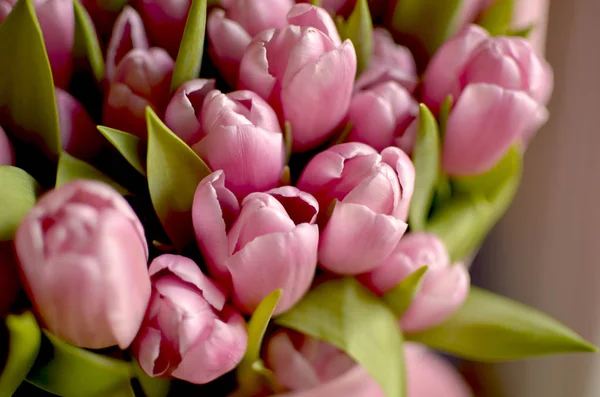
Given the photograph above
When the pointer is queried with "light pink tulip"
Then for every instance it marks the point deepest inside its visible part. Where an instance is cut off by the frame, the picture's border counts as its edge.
(184, 111)
(258, 15)
(128, 33)
(373, 193)
(57, 20)
(345, 7)
(306, 15)
(380, 114)
(9, 277)
(165, 21)
(474, 57)
(242, 137)
(142, 79)
(78, 132)
(445, 287)
(7, 153)
(307, 79)
(272, 244)
(83, 256)
(389, 62)
(189, 333)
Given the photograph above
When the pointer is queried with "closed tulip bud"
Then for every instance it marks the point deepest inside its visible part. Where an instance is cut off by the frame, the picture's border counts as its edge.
(373, 193)
(57, 20)
(444, 289)
(306, 15)
(78, 133)
(9, 277)
(345, 7)
(83, 258)
(242, 138)
(165, 21)
(128, 33)
(258, 15)
(389, 62)
(380, 114)
(142, 79)
(7, 154)
(184, 111)
(189, 332)
(271, 244)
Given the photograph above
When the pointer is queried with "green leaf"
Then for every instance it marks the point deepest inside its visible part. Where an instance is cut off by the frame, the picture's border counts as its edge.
(130, 146)
(26, 85)
(71, 168)
(345, 314)
(174, 172)
(426, 159)
(288, 140)
(492, 328)
(70, 371)
(152, 387)
(18, 194)
(400, 298)
(445, 110)
(86, 41)
(23, 346)
(359, 29)
(191, 48)
(524, 32)
(496, 19)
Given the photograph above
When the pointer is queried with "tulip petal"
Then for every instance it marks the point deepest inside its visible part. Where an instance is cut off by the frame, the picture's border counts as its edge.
(148, 350)
(128, 33)
(254, 70)
(405, 169)
(7, 154)
(301, 206)
(258, 15)
(308, 15)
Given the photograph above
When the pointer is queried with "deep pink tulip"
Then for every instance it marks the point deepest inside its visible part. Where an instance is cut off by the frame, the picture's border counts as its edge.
(9, 277)
(78, 133)
(380, 114)
(189, 333)
(305, 77)
(57, 21)
(142, 79)
(270, 243)
(242, 137)
(165, 21)
(128, 33)
(7, 153)
(373, 193)
(104, 14)
(445, 287)
(389, 62)
(83, 256)
(184, 112)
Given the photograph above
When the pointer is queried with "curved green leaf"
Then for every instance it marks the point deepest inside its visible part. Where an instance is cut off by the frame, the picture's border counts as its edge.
(24, 344)
(493, 328)
(497, 18)
(345, 314)
(18, 194)
(400, 298)
(71, 168)
(132, 148)
(191, 48)
(152, 387)
(86, 41)
(359, 29)
(26, 85)
(523, 32)
(174, 172)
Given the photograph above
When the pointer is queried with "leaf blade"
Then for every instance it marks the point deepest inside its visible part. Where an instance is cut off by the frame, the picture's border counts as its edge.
(359, 29)
(17, 200)
(400, 297)
(87, 44)
(71, 168)
(497, 18)
(130, 146)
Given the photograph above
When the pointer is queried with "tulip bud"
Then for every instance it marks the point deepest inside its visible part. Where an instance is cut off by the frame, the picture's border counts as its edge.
(9, 277)
(83, 259)
(305, 77)
(272, 244)
(142, 79)
(7, 154)
(258, 15)
(165, 21)
(57, 20)
(345, 7)
(242, 138)
(78, 132)
(389, 62)
(373, 193)
(306, 15)
(444, 289)
(189, 332)
(183, 112)
(380, 114)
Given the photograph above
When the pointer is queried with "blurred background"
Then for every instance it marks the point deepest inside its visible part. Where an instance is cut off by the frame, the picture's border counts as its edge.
(546, 251)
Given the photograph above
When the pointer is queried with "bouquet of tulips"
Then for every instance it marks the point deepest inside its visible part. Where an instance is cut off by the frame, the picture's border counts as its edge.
(256, 197)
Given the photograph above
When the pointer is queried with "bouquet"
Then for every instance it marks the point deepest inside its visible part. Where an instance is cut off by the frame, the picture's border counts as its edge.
(260, 198)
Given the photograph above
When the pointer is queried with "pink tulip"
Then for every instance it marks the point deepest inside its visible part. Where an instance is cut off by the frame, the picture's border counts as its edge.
(7, 153)
(128, 33)
(380, 114)
(445, 287)
(475, 57)
(305, 77)
(242, 137)
(165, 21)
(142, 79)
(345, 7)
(83, 258)
(258, 15)
(373, 193)
(389, 62)
(270, 243)
(183, 113)
(189, 332)
(306, 15)
(78, 132)
(104, 14)
(9, 277)
(57, 20)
